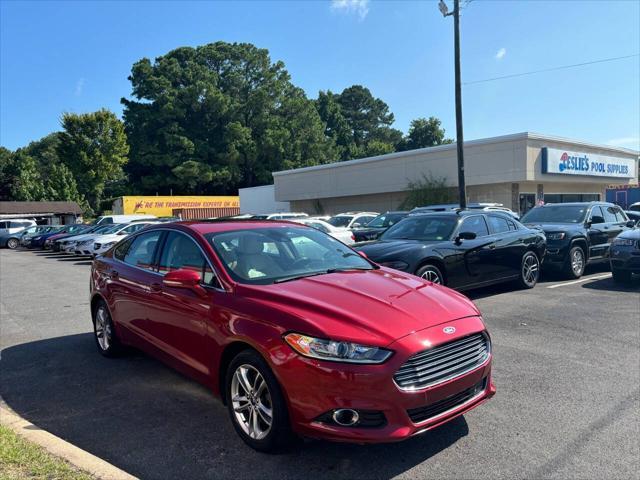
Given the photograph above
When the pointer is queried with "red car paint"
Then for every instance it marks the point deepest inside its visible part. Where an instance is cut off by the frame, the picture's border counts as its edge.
(191, 329)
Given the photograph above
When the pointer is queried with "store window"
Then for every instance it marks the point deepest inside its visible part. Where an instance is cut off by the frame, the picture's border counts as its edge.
(571, 197)
(527, 202)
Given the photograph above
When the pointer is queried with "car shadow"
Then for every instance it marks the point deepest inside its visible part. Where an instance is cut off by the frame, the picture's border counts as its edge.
(154, 423)
(609, 285)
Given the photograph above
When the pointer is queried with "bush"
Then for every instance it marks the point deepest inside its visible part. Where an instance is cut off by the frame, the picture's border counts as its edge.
(428, 190)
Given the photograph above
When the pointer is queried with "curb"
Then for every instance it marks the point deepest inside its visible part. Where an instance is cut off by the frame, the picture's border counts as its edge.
(60, 448)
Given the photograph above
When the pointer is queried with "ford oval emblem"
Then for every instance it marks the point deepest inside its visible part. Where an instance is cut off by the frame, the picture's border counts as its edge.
(449, 330)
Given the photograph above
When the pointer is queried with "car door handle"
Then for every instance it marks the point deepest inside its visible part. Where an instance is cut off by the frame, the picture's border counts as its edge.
(156, 288)
(492, 246)
(113, 274)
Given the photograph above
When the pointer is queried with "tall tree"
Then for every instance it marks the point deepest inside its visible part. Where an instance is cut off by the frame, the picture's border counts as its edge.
(217, 117)
(424, 132)
(94, 147)
(359, 123)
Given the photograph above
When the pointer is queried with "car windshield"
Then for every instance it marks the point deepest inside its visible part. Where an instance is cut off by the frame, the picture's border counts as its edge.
(385, 220)
(556, 214)
(340, 220)
(430, 228)
(278, 254)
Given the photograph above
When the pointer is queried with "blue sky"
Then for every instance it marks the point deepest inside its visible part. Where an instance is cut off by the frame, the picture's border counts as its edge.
(76, 56)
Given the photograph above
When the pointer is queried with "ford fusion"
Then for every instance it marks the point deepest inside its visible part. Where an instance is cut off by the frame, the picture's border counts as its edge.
(296, 332)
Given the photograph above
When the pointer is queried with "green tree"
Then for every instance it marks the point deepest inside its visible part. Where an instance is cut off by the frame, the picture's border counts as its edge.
(423, 133)
(6, 173)
(217, 117)
(359, 123)
(428, 190)
(27, 184)
(94, 148)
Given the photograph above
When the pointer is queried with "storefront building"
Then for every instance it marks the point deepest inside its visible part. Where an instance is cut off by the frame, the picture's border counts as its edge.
(184, 206)
(519, 171)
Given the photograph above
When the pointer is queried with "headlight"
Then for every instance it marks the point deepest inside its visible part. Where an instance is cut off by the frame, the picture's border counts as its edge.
(397, 265)
(555, 236)
(624, 242)
(335, 351)
(36, 238)
(108, 245)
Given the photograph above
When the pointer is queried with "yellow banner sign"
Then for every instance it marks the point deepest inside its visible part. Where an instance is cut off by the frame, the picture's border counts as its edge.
(163, 206)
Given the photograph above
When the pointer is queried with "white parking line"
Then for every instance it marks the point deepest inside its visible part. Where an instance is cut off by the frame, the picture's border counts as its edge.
(586, 279)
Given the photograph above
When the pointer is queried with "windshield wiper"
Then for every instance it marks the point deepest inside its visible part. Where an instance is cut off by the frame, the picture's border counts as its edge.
(348, 269)
(323, 272)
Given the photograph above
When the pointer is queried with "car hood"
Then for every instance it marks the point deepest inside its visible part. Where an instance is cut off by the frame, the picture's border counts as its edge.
(382, 248)
(374, 307)
(554, 227)
(633, 234)
(108, 238)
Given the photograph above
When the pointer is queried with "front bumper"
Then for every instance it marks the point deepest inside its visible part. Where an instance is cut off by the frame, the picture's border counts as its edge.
(315, 387)
(556, 254)
(625, 258)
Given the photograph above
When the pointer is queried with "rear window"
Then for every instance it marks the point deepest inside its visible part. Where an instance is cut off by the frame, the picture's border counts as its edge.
(340, 220)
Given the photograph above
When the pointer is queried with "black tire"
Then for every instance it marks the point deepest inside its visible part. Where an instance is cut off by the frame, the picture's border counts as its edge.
(575, 263)
(12, 243)
(621, 276)
(104, 333)
(529, 270)
(431, 273)
(278, 435)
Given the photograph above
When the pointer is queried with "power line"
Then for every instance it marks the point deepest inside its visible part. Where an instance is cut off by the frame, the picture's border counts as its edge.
(563, 67)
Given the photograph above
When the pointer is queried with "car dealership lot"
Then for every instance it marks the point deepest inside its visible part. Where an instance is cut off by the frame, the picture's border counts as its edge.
(567, 368)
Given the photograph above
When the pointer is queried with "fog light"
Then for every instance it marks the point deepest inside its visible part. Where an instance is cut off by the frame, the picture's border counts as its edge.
(345, 417)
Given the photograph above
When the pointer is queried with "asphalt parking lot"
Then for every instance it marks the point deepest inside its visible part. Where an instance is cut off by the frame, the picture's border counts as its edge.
(567, 368)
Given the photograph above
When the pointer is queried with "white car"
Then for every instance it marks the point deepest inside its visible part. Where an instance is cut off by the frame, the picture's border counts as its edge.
(15, 225)
(352, 219)
(106, 219)
(71, 244)
(345, 235)
(102, 243)
(279, 216)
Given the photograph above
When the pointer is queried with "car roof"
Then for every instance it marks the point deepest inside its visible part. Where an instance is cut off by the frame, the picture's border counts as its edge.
(226, 225)
(578, 204)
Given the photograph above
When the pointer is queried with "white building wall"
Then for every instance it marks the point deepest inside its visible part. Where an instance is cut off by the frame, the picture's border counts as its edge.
(261, 200)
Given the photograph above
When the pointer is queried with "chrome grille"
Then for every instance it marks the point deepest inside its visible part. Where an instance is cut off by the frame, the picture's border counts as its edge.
(443, 363)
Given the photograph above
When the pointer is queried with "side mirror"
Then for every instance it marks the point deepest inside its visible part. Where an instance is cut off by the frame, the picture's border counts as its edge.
(183, 278)
(596, 219)
(630, 224)
(465, 236)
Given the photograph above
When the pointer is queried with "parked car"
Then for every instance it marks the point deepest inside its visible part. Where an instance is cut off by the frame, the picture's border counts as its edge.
(27, 234)
(15, 225)
(68, 231)
(377, 226)
(13, 240)
(352, 219)
(464, 249)
(68, 245)
(577, 233)
(625, 255)
(633, 215)
(102, 243)
(37, 241)
(106, 219)
(343, 234)
(84, 245)
(63, 240)
(294, 330)
(635, 207)
(484, 206)
(279, 216)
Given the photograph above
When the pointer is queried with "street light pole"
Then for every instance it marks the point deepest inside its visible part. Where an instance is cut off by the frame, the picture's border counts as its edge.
(462, 188)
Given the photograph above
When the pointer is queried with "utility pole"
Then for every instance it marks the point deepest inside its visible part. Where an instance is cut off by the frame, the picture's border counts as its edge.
(462, 187)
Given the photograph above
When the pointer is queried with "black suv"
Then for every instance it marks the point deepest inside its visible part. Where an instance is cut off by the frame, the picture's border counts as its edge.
(378, 226)
(577, 233)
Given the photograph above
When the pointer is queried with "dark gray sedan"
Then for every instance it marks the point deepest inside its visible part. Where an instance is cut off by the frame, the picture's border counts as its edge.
(625, 255)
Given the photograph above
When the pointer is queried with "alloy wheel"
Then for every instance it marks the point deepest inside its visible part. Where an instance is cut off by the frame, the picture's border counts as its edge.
(251, 401)
(577, 262)
(103, 329)
(431, 276)
(12, 243)
(530, 269)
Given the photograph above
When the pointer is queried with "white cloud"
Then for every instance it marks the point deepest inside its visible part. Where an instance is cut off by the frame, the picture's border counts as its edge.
(628, 142)
(351, 7)
(79, 87)
(501, 53)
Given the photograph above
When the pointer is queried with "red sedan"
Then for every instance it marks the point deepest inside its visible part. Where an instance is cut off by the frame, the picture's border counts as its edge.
(296, 332)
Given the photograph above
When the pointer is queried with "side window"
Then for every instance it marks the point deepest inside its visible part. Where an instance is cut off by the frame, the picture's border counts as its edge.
(319, 226)
(364, 220)
(620, 215)
(122, 248)
(142, 250)
(596, 212)
(609, 215)
(181, 252)
(133, 228)
(512, 225)
(475, 224)
(4, 224)
(498, 224)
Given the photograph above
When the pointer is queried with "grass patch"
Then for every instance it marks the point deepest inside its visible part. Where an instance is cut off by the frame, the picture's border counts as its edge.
(20, 459)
